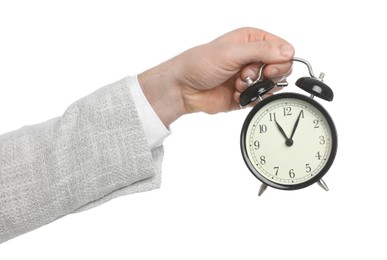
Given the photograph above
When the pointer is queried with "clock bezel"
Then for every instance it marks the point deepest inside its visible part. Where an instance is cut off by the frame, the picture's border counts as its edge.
(317, 176)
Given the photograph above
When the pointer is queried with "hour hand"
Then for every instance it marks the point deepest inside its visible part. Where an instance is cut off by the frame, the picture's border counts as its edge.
(281, 129)
(289, 141)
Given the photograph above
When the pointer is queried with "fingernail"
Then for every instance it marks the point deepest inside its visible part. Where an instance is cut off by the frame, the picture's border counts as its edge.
(250, 73)
(287, 50)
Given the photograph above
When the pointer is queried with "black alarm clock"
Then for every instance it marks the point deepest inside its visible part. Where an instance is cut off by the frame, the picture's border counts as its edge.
(288, 140)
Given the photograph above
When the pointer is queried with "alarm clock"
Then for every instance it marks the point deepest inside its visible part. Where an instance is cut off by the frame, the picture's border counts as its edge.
(288, 140)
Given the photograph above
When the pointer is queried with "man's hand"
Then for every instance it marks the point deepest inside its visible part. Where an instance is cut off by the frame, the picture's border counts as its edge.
(209, 78)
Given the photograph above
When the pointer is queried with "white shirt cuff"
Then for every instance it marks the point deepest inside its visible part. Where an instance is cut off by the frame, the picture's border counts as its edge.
(155, 130)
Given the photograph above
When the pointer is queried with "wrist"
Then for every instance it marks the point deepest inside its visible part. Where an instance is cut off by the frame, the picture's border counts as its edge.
(162, 92)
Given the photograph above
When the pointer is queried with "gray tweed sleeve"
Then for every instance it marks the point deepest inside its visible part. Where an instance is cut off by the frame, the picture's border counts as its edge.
(94, 152)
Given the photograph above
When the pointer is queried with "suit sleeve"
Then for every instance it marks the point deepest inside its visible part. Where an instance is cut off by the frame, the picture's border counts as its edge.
(94, 152)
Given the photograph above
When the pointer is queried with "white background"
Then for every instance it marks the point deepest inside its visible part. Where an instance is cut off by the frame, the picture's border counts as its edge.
(55, 52)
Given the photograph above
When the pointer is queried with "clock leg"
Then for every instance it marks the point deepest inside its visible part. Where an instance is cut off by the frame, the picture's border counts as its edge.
(322, 184)
(262, 189)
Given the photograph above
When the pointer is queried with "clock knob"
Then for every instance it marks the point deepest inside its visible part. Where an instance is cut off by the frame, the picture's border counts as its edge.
(255, 90)
(315, 87)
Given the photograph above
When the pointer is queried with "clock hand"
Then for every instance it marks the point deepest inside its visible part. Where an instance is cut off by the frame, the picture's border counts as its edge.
(295, 126)
(288, 142)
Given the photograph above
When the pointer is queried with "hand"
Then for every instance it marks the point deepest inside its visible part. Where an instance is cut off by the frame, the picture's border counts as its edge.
(210, 77)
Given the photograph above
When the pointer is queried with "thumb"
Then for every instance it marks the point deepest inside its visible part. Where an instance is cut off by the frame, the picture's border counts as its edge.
(267, 52)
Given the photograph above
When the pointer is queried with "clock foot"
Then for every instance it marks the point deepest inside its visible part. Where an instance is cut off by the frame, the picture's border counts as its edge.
(262, 189)
(322, 184)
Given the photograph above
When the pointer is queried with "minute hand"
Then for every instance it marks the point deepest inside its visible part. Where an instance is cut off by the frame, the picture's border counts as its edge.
(295, 126)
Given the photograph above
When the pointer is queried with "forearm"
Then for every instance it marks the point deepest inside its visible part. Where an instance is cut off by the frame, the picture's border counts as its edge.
(162, 92)
(55, 168)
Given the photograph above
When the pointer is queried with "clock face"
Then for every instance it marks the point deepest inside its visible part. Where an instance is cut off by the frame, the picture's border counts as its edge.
(288, 141)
